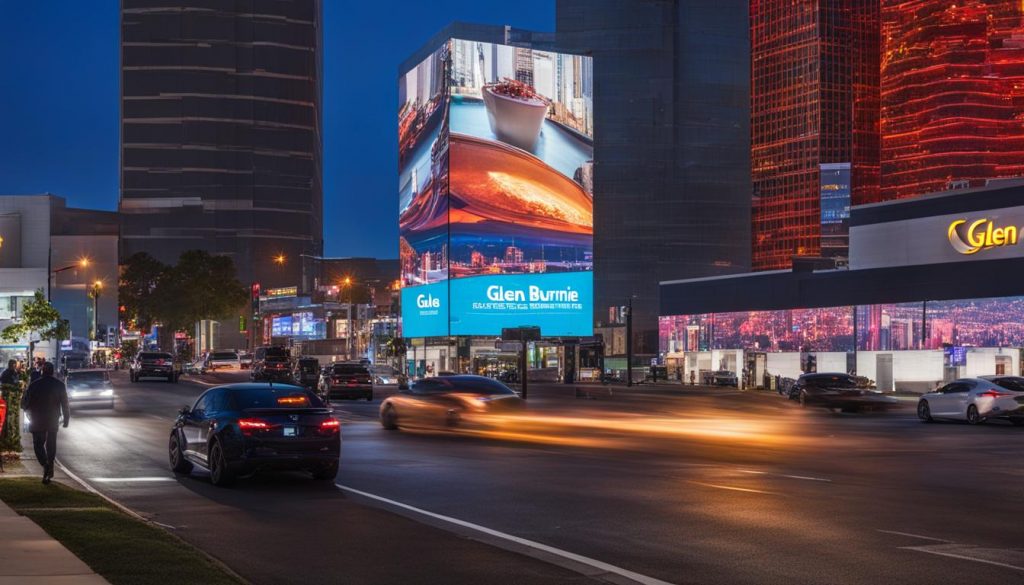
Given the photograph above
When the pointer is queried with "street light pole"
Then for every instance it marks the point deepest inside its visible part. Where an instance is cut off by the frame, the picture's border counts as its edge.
(348, 330)
(629, 342)
(97, 287)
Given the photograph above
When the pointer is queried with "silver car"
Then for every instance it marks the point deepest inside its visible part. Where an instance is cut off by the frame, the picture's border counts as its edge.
(89, 388)
(976, 400)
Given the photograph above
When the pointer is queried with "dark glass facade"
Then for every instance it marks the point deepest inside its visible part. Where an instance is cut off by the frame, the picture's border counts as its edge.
(220, 132)
(813, 101)
(952, 95)
(671, 144)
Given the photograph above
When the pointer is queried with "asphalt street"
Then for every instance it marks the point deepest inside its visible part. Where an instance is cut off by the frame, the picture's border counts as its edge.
(648, 485)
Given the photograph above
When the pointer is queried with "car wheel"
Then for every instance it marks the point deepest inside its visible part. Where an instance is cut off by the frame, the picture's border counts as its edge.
(326, 472)
(389, 418)
(1017, 421)
(924, 412)
(369, 397)
(220, 475)
(453, 418)
(803, 399)
(170, 378)
(132, 378)
(973, 416)
(178, 462)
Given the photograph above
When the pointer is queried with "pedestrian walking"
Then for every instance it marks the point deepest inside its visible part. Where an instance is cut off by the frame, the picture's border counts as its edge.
(10, 375)
(45, 401)
(37, 370)
(693, 377)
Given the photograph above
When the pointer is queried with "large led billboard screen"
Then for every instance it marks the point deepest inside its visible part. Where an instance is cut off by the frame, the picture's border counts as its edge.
(496, 191)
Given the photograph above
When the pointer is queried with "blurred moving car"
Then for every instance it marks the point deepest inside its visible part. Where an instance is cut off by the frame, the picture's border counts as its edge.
(840, 391)
(223, 360)
(245, 359)
(447, 401)
(346, 380)
(724, 378)
(306, 372)
(89, 388)
(976, 400)
(385, 374)
(155, 364)
(238, 429)
(271, 364)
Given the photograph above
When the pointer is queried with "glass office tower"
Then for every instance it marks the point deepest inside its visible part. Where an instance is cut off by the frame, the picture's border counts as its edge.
(220, 132)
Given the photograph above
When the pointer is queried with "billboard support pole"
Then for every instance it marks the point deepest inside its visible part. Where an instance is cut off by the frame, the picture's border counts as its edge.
(629, 342)
(523, 367)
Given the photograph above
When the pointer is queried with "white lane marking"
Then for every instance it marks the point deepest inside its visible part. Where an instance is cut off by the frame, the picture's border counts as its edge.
(129, 479)
(88, 487)
(607, 568)
(804, 477)
(912, 535)
(732, 488)
(960, 551)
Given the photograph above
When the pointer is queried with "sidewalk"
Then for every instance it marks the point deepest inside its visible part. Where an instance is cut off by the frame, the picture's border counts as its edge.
(29, 556)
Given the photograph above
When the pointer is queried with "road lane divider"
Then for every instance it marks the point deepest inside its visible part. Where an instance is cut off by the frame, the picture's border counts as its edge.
(733, 488)
(563, 558)
(130, 479)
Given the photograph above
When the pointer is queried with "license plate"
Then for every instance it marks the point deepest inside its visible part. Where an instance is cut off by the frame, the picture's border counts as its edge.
(289, 431)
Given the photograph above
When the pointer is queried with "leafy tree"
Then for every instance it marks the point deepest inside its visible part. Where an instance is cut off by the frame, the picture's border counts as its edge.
(129, 347)
(39, 321)
(140, 280)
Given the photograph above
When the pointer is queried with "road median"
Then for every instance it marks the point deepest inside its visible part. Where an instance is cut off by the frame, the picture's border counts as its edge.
(120, 548)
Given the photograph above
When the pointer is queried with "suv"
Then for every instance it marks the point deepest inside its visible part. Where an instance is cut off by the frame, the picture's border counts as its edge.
(155, 364)
(346, 380)
(306, 372)
(222, 360)
(271, 364)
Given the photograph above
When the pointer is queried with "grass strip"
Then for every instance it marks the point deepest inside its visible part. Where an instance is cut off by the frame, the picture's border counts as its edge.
(122, 549)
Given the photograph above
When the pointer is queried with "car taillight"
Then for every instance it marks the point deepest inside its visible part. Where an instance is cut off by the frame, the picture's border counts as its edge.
(993, 394)
(248, 425)
(331, 424)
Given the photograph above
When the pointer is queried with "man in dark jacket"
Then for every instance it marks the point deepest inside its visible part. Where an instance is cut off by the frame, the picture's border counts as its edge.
(37, 370)
(10, 375)
(45, 401)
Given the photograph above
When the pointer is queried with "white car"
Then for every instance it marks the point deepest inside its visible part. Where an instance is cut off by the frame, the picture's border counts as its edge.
(223, 360)
(976, 400)
(89, 388)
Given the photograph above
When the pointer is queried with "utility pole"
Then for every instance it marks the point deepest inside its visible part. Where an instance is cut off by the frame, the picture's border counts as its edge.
(629, 342)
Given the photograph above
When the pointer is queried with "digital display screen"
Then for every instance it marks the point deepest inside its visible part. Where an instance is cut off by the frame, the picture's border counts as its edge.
(496, 191)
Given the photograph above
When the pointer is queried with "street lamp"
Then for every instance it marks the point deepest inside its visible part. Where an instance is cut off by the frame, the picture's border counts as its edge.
(280, 259)
(347, 283)
(82, 263)
(97, 288)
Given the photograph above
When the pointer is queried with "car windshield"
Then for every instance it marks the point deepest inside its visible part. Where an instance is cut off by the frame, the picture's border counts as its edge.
(88, 379)
(276, 353)
(1013, 384)
(224, 355)
(152, 355)
(350, 369)
(275, 397)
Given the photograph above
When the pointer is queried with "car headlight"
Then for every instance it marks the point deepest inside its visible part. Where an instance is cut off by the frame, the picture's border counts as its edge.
(107, 392)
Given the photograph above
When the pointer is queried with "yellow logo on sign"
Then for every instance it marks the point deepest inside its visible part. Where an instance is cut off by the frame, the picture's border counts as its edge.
(980, 235)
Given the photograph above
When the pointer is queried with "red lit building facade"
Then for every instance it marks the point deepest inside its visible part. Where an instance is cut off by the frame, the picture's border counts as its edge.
(814, 100)
(952, 95)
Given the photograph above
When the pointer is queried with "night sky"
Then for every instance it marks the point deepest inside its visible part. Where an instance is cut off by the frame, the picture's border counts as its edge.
(59, 103)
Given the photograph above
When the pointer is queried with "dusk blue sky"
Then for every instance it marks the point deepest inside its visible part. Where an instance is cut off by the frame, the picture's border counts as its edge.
(59, 103)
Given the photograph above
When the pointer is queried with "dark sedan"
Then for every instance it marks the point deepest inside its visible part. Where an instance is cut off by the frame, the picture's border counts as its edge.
(155, 364)
(238, 429)
(840, 391)
(448, 401)
(347, 380)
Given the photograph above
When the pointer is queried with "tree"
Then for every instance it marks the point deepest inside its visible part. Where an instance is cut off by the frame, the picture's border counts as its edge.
(39, 321)
(200, 286)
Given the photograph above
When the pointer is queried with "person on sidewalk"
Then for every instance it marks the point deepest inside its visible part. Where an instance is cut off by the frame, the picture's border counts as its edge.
(37, 370)
(45, 401)
(10, 375)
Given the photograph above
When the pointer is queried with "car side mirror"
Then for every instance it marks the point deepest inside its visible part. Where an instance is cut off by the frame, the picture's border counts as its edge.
(184, 411)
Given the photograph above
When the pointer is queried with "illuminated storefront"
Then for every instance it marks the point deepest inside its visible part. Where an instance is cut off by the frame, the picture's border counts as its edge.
(935, 291)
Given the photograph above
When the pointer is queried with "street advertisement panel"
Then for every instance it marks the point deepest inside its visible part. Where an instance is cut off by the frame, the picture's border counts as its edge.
(521, 190)
(496, 191)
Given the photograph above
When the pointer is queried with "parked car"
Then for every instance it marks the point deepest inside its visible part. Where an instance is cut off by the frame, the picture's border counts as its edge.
(238, 429)
(724, 378)
(195, 368)
(89, 388)
(840, 391)
(346, 380)
(306, 372)
(223, 360)
(271, 364)
(976, 400)
(447, 402)
(155, 364)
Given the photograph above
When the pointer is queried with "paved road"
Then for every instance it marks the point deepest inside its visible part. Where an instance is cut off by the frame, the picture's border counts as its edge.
(704, 486)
